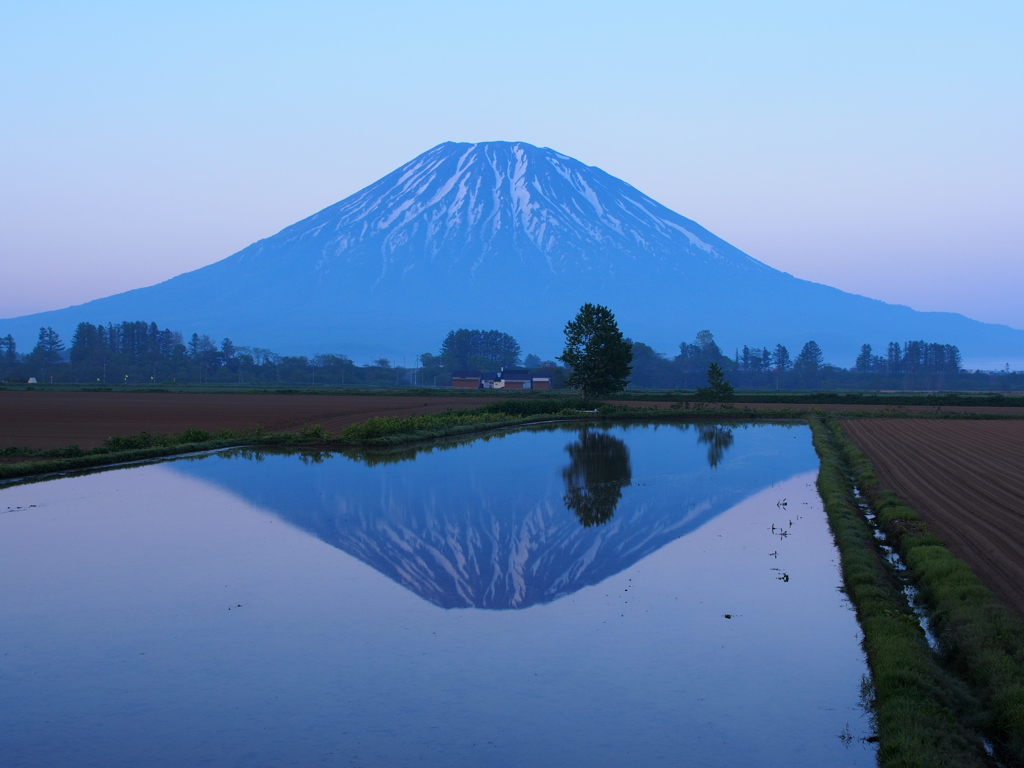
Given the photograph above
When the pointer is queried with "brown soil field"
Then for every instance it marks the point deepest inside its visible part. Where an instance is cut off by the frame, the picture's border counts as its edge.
(893, 409)
(59, 419)
(831, 407)
(966, 479)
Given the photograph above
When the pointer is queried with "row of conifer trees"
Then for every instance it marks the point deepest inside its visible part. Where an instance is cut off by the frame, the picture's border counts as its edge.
(136, 352)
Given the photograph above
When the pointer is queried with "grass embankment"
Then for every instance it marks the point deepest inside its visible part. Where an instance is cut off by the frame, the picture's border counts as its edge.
(930, 707)
(920, 710)
(980, 640)
(386, 431)
(393, 431)
(25, 462)
(377, 432)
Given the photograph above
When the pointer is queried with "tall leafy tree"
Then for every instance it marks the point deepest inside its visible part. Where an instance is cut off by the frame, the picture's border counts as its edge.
(465, 349)
(596, 352)
(705, 342)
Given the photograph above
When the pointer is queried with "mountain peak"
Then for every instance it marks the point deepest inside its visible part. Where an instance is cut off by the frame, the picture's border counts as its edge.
(470, 208)
(507, 235)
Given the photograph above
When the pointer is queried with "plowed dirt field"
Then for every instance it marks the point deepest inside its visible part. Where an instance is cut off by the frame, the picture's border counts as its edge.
(43, 419)
(966, 479)
(57, 419)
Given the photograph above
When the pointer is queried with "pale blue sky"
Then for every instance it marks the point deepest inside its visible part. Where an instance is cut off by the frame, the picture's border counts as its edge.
(871, 146)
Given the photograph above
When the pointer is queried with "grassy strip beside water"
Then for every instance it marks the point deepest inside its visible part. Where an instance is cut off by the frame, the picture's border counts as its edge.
(980, 639)
(375, 432)
(379, 431)
(385, 430)
(390, 431)
(922, 713)
(121, 449)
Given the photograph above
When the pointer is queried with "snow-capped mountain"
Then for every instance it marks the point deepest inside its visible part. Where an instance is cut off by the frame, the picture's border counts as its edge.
(509, 236)
(473, 211)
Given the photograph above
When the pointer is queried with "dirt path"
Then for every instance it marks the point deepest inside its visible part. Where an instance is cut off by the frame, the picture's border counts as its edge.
(43, 419)
(966, 479)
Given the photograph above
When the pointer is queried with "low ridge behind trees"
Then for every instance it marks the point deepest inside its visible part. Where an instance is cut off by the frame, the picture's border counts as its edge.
(596, 352)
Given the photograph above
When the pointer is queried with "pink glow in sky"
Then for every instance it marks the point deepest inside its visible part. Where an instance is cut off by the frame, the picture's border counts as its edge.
(872, 148)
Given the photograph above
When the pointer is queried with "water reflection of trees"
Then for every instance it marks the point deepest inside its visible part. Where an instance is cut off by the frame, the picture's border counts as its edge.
(718, 439)
(598, 471)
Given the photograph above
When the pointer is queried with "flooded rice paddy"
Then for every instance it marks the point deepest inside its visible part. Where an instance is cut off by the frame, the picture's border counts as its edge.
(568, 595)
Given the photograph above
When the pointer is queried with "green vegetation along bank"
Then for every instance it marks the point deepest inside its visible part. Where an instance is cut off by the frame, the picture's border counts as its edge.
(980, 641)
(963, 702)
(375, 432)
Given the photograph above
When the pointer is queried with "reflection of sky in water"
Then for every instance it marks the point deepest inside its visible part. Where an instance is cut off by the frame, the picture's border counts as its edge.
(486, 525)
(159, 615)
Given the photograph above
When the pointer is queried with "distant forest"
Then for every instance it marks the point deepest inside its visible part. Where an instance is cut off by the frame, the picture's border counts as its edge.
(138, 353)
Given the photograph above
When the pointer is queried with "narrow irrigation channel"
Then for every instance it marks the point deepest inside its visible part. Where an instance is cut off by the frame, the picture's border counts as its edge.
(892, 557)
(945, 677)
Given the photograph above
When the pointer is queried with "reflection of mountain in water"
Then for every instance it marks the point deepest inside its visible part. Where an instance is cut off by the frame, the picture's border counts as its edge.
(598, 471)
(485, 526)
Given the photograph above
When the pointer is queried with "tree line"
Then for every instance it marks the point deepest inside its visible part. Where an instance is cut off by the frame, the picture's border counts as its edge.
(136, 352)
(910, 365)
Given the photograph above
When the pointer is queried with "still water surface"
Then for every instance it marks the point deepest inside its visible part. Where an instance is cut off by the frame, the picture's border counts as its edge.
(634, 595)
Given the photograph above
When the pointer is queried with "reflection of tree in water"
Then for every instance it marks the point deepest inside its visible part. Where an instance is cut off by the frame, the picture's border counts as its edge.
(597, 473)
(717, 439)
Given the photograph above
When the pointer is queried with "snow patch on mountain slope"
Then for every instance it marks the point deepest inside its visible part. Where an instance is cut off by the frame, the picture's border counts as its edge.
(479, 204)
